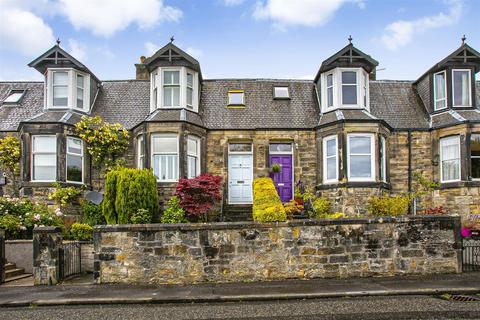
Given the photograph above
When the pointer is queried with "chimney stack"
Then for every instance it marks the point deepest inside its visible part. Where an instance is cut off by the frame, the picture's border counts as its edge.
(141, 70)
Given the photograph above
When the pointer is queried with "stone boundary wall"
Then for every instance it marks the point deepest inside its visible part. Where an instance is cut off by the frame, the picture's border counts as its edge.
(20, 252)
(248, 251)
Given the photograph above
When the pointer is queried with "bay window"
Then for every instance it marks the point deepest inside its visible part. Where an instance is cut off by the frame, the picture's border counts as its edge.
(165, 157)
(440, 90)
(360, 157)
(44, 158)
(189, 91)
(193, 157)
(140, 153)
(475, 155)
(330, 159)
(462, 95)
(68, 88)
(345, 88)
(74, 160)
(171, 88)
(450, 159)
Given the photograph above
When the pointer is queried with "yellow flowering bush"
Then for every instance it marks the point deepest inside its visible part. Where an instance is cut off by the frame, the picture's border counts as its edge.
(267, 206)
(321, 207)
(106, 142)
(388, 206)
(10, 159)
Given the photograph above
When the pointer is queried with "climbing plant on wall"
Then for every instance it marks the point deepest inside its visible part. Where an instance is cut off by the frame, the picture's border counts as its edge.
(10, 160)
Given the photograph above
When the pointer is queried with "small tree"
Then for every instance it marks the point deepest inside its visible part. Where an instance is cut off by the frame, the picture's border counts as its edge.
(10, 160)
(127, 191)
(106, 142)
(199, 195)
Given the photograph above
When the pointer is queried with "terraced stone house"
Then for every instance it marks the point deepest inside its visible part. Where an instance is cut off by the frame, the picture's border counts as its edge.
(345, 133)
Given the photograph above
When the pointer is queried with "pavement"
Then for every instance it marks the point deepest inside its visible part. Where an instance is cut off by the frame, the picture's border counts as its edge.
(83, 294)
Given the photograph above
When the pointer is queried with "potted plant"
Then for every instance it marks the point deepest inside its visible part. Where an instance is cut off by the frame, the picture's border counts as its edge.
(275, 168)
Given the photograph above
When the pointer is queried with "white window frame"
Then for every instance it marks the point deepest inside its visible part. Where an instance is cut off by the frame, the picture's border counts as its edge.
(469, 88)
(166, 135)
(34, 152)
(281, 87)
(435, 100)
(196, 156)
(333, 91)
(72, 89)
(372, 157)
(157, 82)
(179, 86)
(341, 84)
(383, 159)
(473, 157)
(362, 88)
(325, 158)
(442, 141)
(140, 154)
(76, 155)
(192, 87)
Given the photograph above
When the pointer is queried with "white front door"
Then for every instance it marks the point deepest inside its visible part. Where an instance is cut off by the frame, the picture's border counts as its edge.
(240, 176)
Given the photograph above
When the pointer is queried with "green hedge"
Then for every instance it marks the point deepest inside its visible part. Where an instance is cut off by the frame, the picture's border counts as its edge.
(127, 191)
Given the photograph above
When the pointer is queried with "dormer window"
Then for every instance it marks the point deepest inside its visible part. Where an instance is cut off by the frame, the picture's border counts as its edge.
(462, 87)
(344, 88)
(440, 90)
(174, 88)
(68, 88)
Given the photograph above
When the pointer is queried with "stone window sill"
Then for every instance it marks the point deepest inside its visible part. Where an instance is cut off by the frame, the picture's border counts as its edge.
(382, 185)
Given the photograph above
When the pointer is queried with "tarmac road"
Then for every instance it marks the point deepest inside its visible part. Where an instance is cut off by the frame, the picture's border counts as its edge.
(371, 308)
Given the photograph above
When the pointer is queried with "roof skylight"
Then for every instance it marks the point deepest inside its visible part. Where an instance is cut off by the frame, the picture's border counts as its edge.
(14, 96)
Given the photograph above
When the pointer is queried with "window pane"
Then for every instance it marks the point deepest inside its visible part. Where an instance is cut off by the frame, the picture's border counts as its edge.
(79, 98)
(451, 170)
(382, 158)
(440, 86)
(74, 168)
(192, 167)
(60, 78)
(176, 96)
(330, 80)
(171, 77)
(280, 147)
(475, 151)
(349, 94)
(331, 147)
(14, 96)
(74, 146)
(44, 167)
(189, 96)
(240, 147)
(60, 96)
(349, 77)
(167, 97)
(80, 81)
(45, 144)
(360, 145)
(165, 144)
(330, 97)
(360, 166)
(332, 168)
(281, 92)
(235, 98)
(192, 146)
(189, 79)
(461, 88)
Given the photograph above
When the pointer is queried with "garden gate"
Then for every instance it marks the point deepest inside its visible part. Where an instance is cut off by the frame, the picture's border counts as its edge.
(471, 254)
(70, 255)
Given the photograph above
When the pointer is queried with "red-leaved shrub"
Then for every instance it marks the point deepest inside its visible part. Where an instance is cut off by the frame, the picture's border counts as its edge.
(199, 195)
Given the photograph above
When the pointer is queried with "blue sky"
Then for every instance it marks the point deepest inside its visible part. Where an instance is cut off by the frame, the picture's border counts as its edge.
(236, 38)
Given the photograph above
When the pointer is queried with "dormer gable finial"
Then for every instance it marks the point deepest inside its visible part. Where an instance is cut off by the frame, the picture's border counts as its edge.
(350, 39)
(463, 39)
(172, 38)
(58, 42)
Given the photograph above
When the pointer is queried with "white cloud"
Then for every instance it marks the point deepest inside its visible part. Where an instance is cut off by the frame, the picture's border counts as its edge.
(77, 50)
(151, 48)
(401, 32)
(194, 52)
(106, 17)
(24, 32)
(308, 13)
(231, 3)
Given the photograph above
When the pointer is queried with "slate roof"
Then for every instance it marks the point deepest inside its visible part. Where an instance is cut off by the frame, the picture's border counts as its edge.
(176, 115)
(346, 115)
(261, 110)
(398, 104)
(66, 116)
(30, 105)
(126, 102)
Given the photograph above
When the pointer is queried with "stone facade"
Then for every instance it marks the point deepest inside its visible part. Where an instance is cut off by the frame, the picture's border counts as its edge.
(193, 253)
(46, 260)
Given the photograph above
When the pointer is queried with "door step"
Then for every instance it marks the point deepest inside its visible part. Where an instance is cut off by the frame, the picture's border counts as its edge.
(22, 276)
(13, 273)
(236, 213)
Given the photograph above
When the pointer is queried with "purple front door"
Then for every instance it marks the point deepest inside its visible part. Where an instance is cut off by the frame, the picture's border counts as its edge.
(283, 180)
